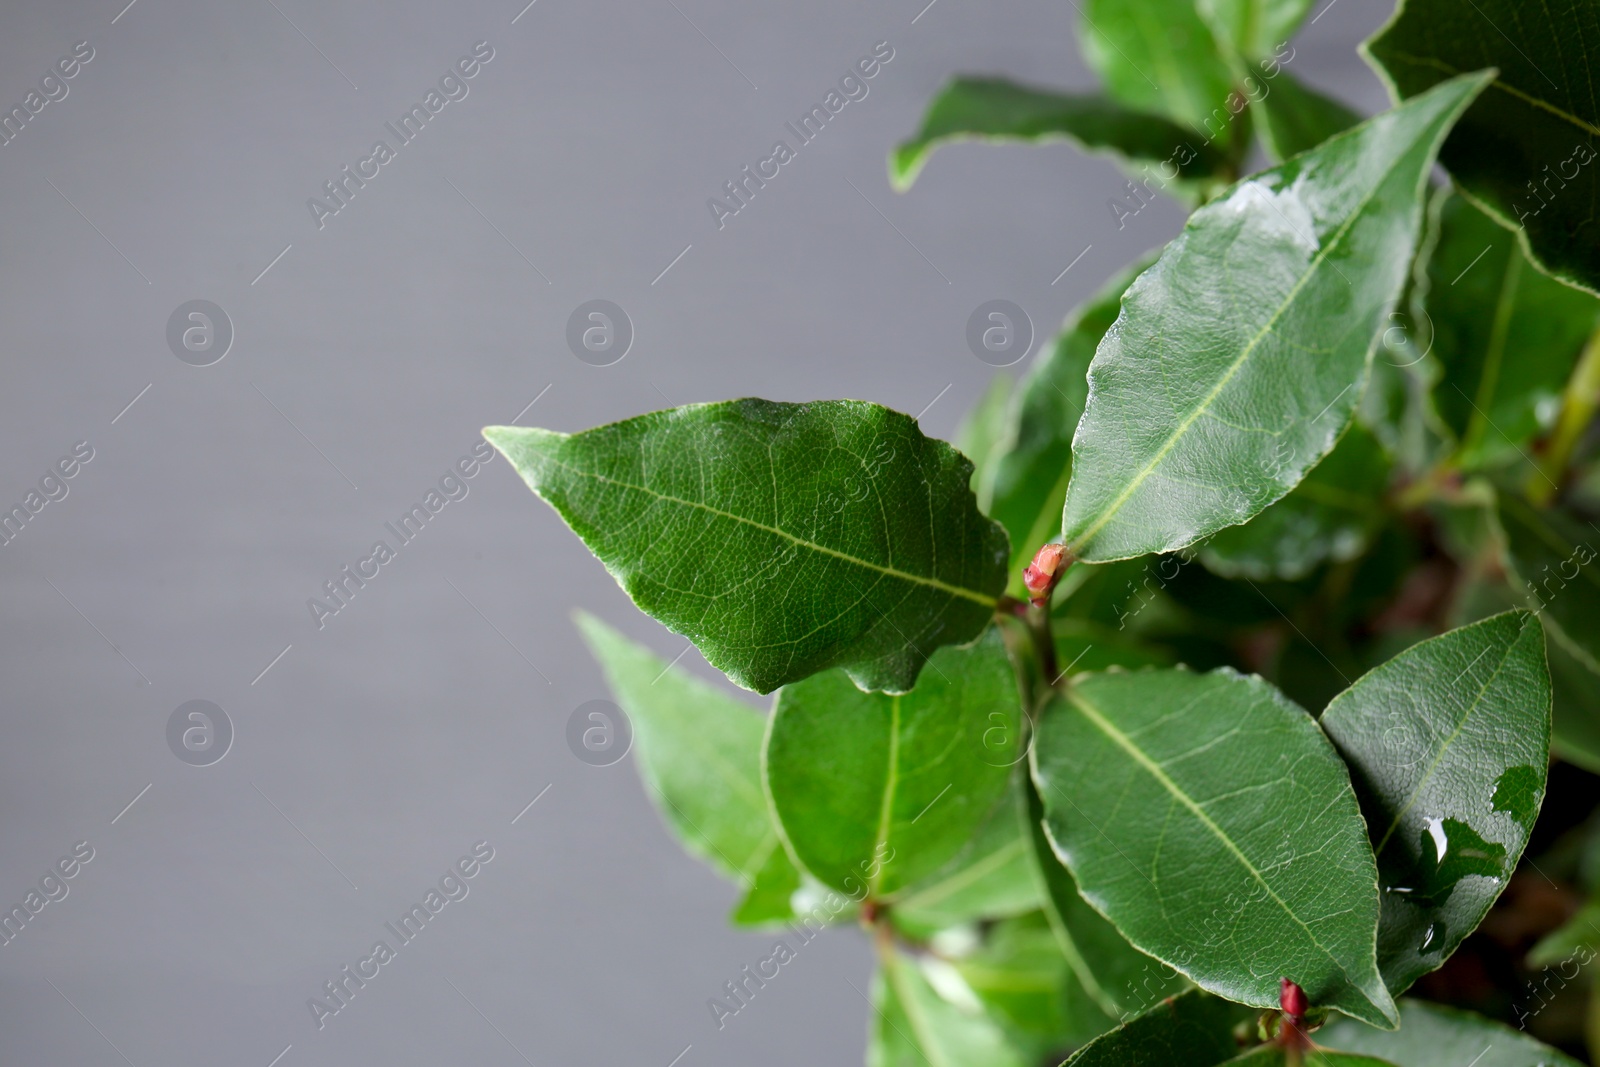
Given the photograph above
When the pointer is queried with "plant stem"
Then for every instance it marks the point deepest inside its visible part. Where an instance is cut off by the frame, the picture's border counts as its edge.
(1578, 405)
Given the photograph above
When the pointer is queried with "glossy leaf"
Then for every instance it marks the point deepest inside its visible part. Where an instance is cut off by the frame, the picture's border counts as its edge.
(1159, 56)
(699, 753)
(1526, 150)
(1269, 1056)
(1330, 516)
(1028, 479)
(1258, 323)
(1295, 118)
(782, 539)
(876, 792)
(1448, 745)
(998, 110)
(915, 1027)
(1210, 819)
(1431, 1035)
(1190, 1030)
(1506, 335)
(1122, 981)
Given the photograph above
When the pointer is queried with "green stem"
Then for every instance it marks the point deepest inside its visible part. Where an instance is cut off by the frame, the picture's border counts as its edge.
(1578, 406)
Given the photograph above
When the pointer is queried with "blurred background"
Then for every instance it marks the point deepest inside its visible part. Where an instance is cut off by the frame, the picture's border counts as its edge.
(343, 365)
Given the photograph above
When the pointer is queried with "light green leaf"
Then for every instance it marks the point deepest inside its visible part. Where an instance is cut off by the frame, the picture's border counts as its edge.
(1029, 475)
(1191, 1030)
(1506, 335)
(915, 1027)
(998, 110)
(699, 753)
(1331, 516)
(1431, 1035)
(874, 792)
(1448, 745)
(1160, 56)
(1239, 356)
(1254, 28)
(1527, 147)
(982, 428)
(782, 539)
(1210, 819)
(769, 900)
(1027, 986)
(1122, 981)
(1295, 118)
(989, 878)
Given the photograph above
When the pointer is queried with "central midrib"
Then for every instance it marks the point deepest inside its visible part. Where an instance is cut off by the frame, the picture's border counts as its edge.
(1122, 741)
(890, 784)
(892, 572)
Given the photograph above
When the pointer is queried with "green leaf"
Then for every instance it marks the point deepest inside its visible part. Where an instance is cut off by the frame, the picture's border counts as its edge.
(699, 753)
(1210, 819)
(1033, 462)
(1294, 118)
(1434, 1036)
(1506, 335)
(782, 539)
(1331, 516)
(1026, 984)
(875, 792)
(1159, 56)
(1575, 713)
(1258, 323)
(1448, 745)
(989, 878)
(769, 900)
(998, 110)
(1551, 553)
(982, 428)
(1191, 1030)
(1268, 1056)
(1254, 27)
(916, 1027)
(1579, 935)
(1526, 149)
(1115, 976)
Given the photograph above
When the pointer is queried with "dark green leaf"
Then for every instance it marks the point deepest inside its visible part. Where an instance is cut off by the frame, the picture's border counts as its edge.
(1331, 516)
(1506, 335)
(1552, 552)
(916, 1027)
(1028, 481)
(782, 539)
(874, 792)
(1160, 56)
(1448, 744)
(699, 753)
(1434, 1036)
(1578, 936)
(1575, 713)
(1191, 1030)
(1293, 118)
(1211, 820)
(1526, 149)
(994, 109)
(1119, 979)
(1268, 1056)
(1258, 323)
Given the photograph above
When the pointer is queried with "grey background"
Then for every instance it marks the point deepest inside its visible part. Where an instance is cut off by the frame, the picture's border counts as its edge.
(424, 717)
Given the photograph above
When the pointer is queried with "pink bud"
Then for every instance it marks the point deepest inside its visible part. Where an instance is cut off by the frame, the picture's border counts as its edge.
(1292, 999)
(1040, 576)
